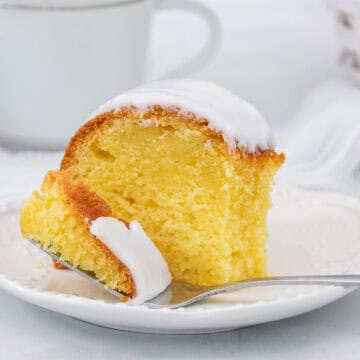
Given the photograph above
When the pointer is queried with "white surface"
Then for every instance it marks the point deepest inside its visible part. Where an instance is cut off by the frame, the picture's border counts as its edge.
(274, 52)
(329, 333)
(239, 122)
(137, 252)
(305, 228)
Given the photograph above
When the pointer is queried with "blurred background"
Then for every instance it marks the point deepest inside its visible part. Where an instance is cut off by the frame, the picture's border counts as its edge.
(296, 61)
(273, 52)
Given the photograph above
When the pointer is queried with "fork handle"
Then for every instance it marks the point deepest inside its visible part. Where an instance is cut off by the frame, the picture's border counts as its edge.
(185, 294)
(338, 280)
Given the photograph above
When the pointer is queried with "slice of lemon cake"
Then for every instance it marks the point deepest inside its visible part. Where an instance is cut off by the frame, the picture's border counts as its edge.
(79, 226)
(194, 164)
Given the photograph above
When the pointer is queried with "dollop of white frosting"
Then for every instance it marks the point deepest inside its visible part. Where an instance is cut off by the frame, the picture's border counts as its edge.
(137, 252)
(238, 121)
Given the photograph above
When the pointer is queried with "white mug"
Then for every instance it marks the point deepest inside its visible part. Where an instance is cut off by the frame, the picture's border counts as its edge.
(60, 59)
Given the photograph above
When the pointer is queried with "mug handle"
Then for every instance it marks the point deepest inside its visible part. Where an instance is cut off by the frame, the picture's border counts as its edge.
(209, 50)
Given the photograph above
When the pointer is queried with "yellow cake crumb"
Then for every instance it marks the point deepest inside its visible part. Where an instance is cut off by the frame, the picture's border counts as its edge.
(204, 210)
(39, 264)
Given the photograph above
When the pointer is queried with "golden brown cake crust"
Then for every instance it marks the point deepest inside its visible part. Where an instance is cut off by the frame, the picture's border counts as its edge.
(201, 124)
(88, 206)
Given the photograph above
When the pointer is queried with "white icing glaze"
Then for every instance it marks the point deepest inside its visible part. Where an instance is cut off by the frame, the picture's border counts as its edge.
(137, 252)
(238, 121)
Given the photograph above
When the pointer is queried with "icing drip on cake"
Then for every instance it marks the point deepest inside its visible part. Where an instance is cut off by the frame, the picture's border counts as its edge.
(137, 252)
(239, 122)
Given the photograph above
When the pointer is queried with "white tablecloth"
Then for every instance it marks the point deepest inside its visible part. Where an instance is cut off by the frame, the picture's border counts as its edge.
(274, 52)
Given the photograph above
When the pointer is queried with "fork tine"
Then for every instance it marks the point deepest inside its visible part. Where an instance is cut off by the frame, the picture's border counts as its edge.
(85, 274)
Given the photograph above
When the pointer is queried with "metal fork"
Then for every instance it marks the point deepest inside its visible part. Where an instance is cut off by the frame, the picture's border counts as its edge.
(179, 294)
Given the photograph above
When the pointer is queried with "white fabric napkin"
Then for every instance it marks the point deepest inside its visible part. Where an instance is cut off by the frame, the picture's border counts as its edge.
(322, 147)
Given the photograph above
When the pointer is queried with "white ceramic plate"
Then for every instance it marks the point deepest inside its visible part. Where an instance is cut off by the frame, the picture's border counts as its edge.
(309, 233)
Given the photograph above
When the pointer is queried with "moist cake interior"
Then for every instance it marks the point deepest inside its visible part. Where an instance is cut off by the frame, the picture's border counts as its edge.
(204, 207)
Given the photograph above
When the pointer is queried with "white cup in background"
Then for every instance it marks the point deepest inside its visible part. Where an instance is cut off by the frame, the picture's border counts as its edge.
(60, 59)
